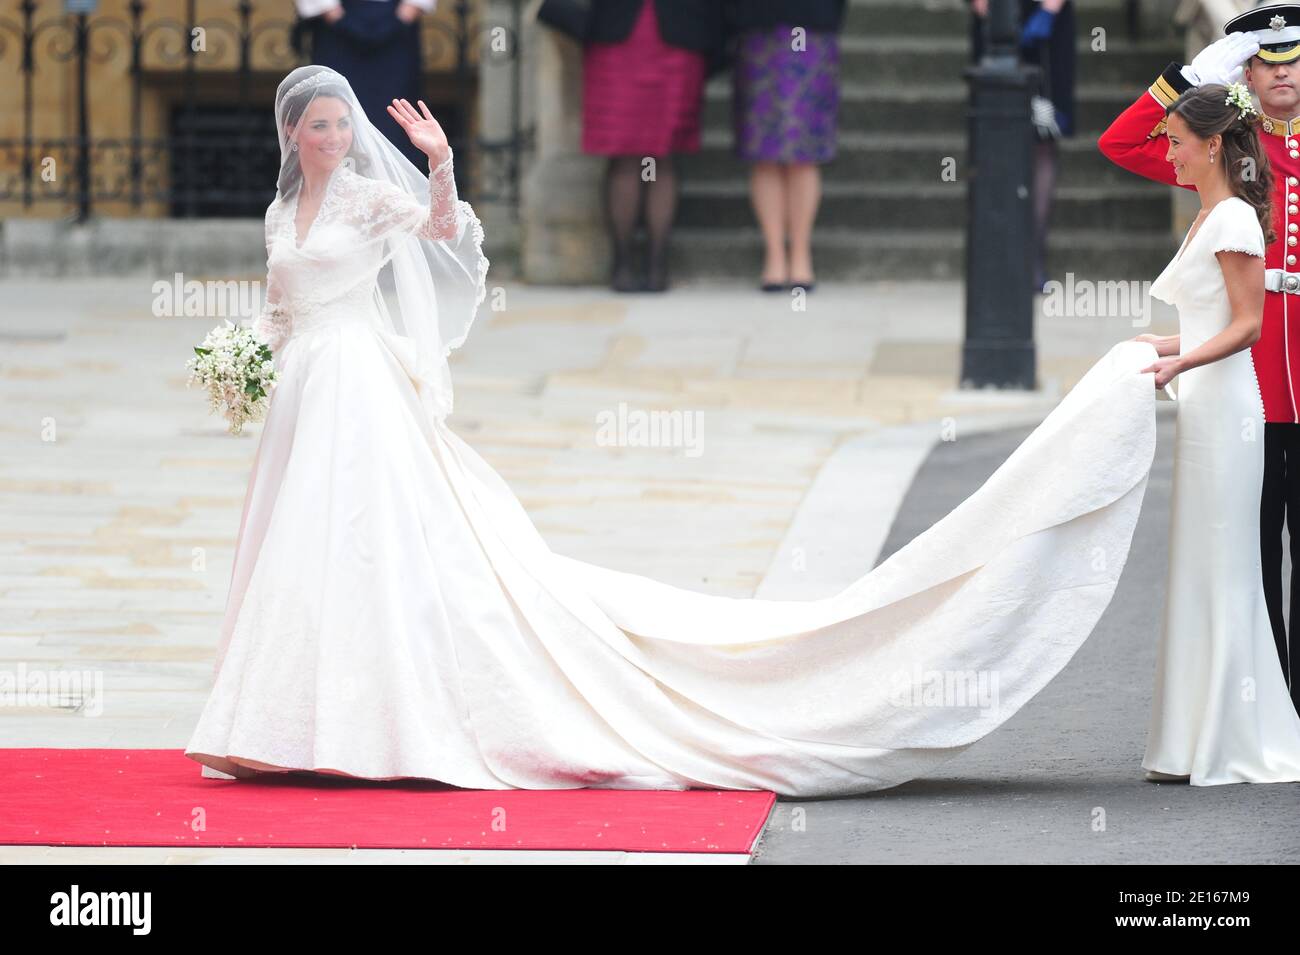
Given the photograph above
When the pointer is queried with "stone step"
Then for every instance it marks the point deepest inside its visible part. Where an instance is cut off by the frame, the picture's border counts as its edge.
(928, 108)
(886, 212)
(876, 60)
(897, 157)
(866, 206)
(848, 254)
(952, 17)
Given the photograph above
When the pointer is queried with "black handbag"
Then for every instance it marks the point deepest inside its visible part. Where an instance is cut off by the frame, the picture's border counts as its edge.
(568, 16)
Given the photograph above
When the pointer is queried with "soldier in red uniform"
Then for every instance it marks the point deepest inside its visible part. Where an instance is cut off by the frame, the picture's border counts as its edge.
(1262, 46)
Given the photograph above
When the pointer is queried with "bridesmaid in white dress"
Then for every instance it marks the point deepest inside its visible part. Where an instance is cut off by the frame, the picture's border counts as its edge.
(1221, 711)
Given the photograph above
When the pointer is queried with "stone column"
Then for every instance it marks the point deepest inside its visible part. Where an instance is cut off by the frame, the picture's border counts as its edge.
(564, 236)
(504, 54)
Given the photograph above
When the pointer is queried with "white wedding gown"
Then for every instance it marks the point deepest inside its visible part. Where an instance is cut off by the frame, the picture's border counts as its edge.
(1221, 711)
(393, 612)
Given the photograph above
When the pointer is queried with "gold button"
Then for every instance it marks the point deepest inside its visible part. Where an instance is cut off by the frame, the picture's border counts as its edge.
(1292, 181)
(1290, 260)
(1291, 143)
(1291, 240)
(1293, 228)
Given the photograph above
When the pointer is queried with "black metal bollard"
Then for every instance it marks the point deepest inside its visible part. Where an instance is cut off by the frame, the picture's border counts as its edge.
(999, 345)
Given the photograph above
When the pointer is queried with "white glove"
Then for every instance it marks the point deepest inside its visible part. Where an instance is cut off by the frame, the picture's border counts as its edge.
(1222, 61)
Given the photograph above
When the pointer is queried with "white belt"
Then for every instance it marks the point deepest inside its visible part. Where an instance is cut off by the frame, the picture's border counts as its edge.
(1280, 280)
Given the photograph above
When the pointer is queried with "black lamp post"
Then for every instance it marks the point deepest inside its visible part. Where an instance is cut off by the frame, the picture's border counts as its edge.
(999, 346)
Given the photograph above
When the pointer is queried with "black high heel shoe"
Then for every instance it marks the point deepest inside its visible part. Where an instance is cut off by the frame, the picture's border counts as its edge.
(656, 276)
(624, 278)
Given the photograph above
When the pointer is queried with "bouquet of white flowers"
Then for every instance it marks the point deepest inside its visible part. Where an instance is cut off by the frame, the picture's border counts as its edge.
(238, 370)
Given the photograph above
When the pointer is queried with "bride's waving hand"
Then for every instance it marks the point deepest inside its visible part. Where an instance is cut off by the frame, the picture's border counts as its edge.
(424, 131)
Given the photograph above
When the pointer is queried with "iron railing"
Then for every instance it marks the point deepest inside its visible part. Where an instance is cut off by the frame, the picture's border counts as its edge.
(220, 96)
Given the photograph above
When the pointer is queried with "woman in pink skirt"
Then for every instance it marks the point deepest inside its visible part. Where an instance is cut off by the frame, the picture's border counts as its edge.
(644, 66)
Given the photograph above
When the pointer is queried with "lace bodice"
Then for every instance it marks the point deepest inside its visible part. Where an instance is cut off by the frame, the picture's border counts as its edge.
(330, 275)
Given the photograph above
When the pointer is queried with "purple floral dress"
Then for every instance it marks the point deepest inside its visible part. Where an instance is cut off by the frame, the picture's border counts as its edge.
(786, 96)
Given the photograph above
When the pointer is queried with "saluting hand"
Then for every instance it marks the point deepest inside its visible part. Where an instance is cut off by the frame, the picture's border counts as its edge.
(1222, 61)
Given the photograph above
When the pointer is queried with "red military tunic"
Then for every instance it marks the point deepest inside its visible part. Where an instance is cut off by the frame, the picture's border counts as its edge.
(1136, 141)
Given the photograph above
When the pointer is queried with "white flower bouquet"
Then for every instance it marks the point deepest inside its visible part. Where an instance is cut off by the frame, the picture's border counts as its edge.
(238, 371)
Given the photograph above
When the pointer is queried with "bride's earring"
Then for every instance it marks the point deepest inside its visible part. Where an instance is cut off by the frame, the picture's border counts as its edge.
(1211, 155)
(294, 147)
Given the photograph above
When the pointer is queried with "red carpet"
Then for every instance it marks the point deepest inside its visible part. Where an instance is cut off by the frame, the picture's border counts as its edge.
(157, 797)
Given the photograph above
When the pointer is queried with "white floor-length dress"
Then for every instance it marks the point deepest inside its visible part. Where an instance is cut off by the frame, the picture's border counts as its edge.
(1221, 711)
(393, 612)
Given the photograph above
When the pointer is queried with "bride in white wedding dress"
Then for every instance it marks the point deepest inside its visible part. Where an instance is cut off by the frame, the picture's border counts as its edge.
(394, 613)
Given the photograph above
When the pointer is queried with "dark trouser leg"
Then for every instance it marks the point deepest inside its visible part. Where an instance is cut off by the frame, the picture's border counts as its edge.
(1045, 165)
(1272, 511)
(1293, 512)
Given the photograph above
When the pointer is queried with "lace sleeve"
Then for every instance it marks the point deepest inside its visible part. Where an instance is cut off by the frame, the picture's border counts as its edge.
(273, 324)
(442, 222)
(394, 210)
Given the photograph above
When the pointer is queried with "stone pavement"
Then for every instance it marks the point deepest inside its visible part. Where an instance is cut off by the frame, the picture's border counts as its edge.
(121, 494)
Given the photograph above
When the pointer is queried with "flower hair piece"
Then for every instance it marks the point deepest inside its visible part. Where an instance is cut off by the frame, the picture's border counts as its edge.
(1239, 96)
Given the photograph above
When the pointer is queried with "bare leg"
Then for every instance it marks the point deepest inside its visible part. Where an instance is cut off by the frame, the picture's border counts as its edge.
(767, 195)
(804, 191)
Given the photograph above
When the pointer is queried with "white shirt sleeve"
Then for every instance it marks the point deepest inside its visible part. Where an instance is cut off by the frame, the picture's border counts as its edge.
(314, 8)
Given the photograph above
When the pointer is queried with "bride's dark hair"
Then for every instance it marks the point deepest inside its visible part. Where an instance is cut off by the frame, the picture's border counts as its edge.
(1205, 111)
(292, 109)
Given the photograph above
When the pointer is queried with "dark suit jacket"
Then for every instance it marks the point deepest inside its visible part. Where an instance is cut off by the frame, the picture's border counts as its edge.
(691, 24)
(813, 14)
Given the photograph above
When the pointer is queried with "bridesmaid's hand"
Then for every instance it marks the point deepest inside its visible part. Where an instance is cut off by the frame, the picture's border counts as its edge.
(425, 133)
(1166, 369)
(1165, 345)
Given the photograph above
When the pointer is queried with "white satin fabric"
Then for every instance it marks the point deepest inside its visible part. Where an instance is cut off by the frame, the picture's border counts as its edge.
(1221, 712)
(393, 612)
